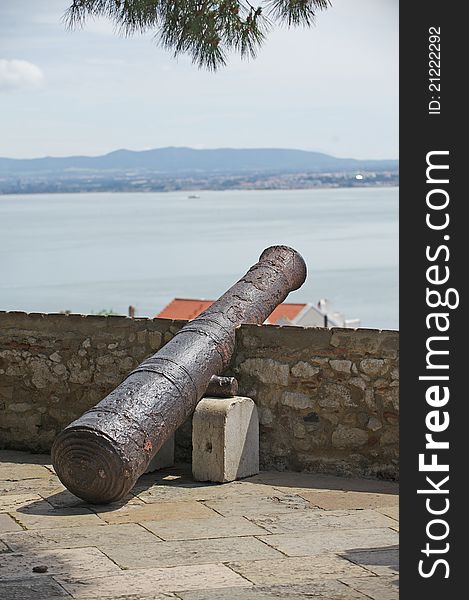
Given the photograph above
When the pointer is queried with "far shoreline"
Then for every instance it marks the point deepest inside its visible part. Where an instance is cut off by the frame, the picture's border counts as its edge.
(200, 191)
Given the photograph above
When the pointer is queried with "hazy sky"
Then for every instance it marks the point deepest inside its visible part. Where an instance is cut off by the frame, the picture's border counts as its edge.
(333, 88)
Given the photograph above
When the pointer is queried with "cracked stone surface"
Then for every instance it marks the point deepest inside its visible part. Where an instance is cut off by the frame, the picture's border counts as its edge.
(274, 535)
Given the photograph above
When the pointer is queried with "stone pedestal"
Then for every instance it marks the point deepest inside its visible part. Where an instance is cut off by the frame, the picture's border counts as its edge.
(163, 458)
(225, 439)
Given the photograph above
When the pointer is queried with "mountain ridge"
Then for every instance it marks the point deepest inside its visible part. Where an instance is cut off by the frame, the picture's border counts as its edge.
(180, 159)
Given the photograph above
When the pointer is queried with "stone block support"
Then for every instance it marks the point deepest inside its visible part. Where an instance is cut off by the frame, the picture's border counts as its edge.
(225, 439)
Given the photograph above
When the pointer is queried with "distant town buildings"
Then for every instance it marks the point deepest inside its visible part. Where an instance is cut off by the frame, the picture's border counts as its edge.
(134, 181)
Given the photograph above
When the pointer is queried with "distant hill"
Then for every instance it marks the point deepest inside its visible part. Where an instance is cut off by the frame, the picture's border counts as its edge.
(174, 161)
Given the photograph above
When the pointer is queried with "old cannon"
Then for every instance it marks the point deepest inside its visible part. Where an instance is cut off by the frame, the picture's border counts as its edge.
(100, 456)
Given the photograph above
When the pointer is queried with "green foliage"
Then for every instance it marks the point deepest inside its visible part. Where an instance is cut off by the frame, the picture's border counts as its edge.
(207, 30)
(105, 312)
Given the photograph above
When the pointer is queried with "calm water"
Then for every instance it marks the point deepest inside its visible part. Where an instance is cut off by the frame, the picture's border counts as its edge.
(87, 252)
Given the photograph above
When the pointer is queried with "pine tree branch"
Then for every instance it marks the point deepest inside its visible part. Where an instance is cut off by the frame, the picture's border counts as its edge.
(206, 30)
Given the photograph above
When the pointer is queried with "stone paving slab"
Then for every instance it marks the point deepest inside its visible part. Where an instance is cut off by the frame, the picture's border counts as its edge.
(151, 596)
(7, 524)
(319, 481)
(201, 491)
(13, 502)
(154, 512)
(18, 471)
(62, 498)
(390, 511)
(380, 561)
(340, 500)
(329, 540)
(297, 570)
(18, 457)
(324, 590)
(44, 485)
(188, 552)
(146, 581)
(80, 537)
(41, 515)
(177, 478)
(376, 588)
(197, 529)
(310, 520)
(77, 562)
(36, 588)
(249, 506)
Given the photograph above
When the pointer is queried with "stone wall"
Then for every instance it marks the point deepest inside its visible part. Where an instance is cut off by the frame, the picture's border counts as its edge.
(54, 367)
(328, 399)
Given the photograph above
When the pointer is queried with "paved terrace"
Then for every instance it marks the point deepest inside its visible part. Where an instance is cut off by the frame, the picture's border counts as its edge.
(275, 535)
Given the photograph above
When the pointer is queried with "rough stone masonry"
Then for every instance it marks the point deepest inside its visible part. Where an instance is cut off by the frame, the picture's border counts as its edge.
(328, 400)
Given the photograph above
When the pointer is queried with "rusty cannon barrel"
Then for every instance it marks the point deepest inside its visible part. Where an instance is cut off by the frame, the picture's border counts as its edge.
(100, 456)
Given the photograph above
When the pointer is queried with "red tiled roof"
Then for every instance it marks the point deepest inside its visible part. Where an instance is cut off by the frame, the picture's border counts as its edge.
(184, 308)
(285, 311)
(187, 308)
